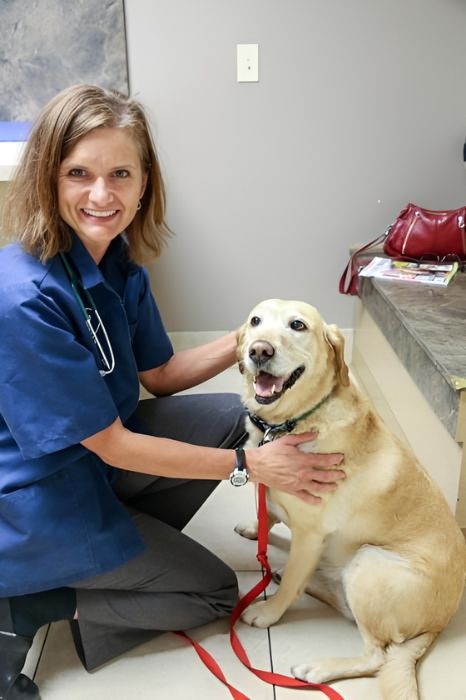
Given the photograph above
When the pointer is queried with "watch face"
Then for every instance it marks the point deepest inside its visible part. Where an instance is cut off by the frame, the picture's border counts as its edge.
(239, 478)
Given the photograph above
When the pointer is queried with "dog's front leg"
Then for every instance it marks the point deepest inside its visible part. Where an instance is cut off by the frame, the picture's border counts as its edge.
(305, 552)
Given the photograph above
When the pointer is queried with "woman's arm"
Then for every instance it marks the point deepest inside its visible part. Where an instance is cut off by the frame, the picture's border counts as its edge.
(189, 368)
(279, 464)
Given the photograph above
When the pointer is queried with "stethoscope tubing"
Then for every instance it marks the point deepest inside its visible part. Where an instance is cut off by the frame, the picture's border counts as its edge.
(76, 284)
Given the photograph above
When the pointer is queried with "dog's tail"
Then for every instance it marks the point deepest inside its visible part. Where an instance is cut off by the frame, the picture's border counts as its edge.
(397, 677)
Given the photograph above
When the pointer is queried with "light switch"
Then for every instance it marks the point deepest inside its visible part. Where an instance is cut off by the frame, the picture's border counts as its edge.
(247, 63)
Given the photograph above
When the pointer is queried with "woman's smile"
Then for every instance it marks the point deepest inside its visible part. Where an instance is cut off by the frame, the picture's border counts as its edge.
(100, 214)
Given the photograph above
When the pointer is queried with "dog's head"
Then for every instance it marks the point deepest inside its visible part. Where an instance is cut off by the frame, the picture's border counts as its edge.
(288, 355)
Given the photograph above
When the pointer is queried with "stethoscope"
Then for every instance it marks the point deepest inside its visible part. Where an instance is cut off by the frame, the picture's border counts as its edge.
(88, 307)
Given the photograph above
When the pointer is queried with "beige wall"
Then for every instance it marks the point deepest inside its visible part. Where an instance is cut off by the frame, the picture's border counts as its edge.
(360, 108)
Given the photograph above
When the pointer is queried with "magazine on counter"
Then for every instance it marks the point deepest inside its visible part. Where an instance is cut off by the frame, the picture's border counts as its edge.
(437, 274)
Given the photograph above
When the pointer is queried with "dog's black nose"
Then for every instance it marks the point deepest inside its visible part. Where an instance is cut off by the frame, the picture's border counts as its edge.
(260, 351)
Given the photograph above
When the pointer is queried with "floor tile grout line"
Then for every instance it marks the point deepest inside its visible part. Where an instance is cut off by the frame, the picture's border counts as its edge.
(269, 640)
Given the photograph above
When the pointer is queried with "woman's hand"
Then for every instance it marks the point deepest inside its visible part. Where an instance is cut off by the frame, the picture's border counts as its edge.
(282, 465)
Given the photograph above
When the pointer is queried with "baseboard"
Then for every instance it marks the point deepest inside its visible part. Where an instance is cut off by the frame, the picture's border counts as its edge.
(182, 340)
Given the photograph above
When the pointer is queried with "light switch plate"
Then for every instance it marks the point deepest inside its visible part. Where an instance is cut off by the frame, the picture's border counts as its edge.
(247, 63)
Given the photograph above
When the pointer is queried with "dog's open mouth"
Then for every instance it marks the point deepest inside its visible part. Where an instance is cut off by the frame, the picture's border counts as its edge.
(269, 388)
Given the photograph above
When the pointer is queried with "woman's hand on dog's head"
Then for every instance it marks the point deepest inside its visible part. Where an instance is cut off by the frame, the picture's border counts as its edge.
(282, 465)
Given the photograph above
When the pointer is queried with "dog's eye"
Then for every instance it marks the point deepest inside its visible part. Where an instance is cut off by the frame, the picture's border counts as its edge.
(298, 325)
(255, 321)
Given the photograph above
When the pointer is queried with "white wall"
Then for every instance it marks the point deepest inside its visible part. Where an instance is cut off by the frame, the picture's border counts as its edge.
(360, 107)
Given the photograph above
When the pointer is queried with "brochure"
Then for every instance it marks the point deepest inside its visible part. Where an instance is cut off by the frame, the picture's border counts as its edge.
(437, 274)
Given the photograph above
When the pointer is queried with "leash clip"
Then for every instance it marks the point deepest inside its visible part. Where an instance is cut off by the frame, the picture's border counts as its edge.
(269, 435)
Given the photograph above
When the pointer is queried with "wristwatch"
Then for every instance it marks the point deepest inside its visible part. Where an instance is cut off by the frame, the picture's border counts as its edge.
(239, 476)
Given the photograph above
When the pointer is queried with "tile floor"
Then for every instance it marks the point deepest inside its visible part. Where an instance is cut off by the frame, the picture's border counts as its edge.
(168, 669)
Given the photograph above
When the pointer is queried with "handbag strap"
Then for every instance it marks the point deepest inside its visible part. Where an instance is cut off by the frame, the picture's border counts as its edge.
(349, 279)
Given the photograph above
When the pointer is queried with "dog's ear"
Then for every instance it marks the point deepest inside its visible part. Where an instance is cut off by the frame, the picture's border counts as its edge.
(334, 338)
(239, 347)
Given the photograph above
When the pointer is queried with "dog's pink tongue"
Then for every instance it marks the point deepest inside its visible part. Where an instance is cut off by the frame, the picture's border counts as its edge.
(266, 384)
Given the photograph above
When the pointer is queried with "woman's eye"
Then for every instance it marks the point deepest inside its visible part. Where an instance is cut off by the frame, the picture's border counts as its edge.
(122, 173)
(255, 321)
(77, 172)
(298, 325)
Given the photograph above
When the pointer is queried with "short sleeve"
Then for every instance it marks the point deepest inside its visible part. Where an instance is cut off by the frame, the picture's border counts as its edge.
(151, 345)
(51, 392)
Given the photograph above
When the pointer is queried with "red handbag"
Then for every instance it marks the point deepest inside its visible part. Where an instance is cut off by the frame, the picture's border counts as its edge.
(416, 235)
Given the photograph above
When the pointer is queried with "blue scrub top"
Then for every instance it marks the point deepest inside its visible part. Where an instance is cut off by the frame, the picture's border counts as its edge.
(60, 520)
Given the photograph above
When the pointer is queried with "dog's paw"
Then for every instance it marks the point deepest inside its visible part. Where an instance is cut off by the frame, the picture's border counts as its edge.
(249, 530)
(260, 614)
(312, 672)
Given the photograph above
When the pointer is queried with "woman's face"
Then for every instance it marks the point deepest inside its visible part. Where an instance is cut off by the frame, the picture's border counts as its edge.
(100, 183)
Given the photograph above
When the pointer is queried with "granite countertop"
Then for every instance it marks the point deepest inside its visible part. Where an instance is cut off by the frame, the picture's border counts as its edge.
(426, 326)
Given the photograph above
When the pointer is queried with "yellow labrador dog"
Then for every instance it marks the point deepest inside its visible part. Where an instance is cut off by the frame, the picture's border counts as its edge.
(384, 548)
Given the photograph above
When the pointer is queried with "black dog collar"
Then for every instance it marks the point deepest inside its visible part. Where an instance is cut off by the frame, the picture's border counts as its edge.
(272, 431)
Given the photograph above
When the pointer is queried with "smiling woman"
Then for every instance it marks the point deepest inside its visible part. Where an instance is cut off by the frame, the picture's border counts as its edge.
(95, 485)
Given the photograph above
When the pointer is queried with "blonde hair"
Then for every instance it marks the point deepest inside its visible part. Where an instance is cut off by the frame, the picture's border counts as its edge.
(31, 208)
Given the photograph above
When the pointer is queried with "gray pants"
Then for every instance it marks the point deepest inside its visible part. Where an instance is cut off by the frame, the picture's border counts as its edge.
(176, 583)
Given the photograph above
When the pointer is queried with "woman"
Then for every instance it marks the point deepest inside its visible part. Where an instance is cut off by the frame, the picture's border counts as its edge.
(96, 487)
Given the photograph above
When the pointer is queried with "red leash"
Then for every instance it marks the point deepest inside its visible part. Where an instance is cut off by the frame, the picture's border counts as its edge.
(266, 676)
